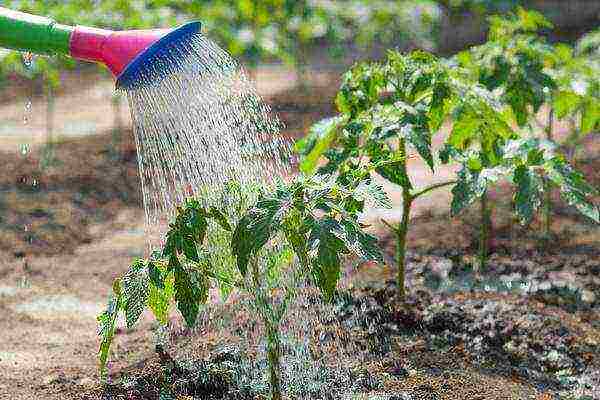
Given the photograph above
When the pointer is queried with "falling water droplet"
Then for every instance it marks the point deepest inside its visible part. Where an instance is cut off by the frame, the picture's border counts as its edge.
(24, 149)
(28, 109)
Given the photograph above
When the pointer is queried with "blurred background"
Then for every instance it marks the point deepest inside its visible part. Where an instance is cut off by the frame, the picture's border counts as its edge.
(71, 214)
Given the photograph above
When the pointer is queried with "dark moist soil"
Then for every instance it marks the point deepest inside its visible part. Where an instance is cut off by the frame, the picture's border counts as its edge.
(458, 342)
(49, 207)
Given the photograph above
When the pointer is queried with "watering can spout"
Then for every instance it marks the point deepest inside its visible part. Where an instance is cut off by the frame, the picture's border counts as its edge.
(123, 52)
(114, 49)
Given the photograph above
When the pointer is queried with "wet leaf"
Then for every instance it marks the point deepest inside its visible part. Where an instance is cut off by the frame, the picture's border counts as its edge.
(135, 292)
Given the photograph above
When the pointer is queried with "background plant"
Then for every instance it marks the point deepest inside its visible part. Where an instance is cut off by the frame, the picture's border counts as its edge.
(527, 73)
(385, 108)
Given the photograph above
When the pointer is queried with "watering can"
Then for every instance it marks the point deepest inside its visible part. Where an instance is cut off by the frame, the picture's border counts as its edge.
(124, 53)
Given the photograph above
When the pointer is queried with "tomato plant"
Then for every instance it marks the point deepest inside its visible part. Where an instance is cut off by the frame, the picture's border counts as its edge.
(527, 73)
(313, 219)
(387, 108)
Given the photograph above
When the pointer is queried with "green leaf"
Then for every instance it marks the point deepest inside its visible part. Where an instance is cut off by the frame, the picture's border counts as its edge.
(156, 275)
(389, 164)
(373, 194)
(441, 100)
(255, 229)
(464, 128)
(326, 246)
(565, 103)
(470, 186)
(532, 20)
(107, 325)
(191, 290)
(590, 116)
(220, 218)
(528, 197)
(159, 299)
(173, 244)
(361, 243)
(573, 187)
(420, 139)
(190, 250)
(135, 292)
(318, 141)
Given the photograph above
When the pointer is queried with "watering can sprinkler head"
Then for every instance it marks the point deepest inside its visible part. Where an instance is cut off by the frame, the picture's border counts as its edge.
(125, 53)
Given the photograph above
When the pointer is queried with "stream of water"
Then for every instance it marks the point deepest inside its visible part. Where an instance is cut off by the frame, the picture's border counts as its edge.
(199, 123)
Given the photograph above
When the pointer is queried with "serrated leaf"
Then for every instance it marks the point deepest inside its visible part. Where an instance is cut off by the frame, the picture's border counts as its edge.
(135, 292)
(361, 243)
(420, 139)
(464, 128)
(389, 164)
(318, 141)
(106, 326)
(190, 250)
(372, 194)
(220, 218)
(255, 229)
(573, 187)
(159, 299)
(191, 290)
(468, 188)
(156, 275)
(528, 195)
(326, 246)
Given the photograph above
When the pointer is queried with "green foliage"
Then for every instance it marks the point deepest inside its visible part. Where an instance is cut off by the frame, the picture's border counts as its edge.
(513, 61)
(589, 45)
(135, 288)
(525, 163)
(286, 29)
(318, 238)
(283, 30)
(578, 93)
(388, 109)
(181, 271)
(313, 219)
(384, 107)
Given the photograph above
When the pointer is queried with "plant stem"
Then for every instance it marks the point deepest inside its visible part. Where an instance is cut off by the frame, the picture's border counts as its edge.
(272, 329)
(484, 233)
(274, 355)
(401, 232)
(402, 229)
(547, 207)
(432, 187)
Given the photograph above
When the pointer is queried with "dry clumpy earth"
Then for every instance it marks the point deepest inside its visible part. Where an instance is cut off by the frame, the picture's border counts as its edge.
(525, 327)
